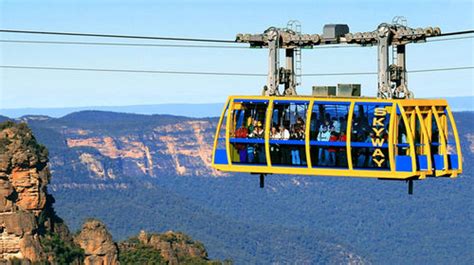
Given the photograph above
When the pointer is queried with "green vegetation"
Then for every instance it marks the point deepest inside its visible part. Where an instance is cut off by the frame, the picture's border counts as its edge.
(64, 252)
(141, 254)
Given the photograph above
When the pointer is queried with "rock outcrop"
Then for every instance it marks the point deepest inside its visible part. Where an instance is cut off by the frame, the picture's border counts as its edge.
(174, 247)
(97, 243)
(26, 213)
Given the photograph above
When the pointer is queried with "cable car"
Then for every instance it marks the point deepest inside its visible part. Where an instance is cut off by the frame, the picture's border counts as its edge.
(368, 137)
(393, 136)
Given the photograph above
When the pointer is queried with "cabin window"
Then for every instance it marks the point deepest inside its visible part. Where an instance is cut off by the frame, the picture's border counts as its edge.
(220, 155)
(453, 162)
(248, 131)
(328, 130)
(369, 136)
(288, 133)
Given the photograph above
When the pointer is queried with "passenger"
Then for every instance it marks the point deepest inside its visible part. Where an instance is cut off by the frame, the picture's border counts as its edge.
(404, 144)
(323, 155)
(336, 124)
(302, 148)
(342, 153)
(332, 150)
(299, 122)
(275, 152)
(343, 123)
(259, 132)
(324, 124)
(242, 132)
(360, 155)
(252, 125)
(259, 148)
(295, 153)
(285, 134)
(327, 117)
(275, 133)
(285, 151)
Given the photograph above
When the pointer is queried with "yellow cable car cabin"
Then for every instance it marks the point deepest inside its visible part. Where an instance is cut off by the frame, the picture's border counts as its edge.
(338, 133)
(363, 137)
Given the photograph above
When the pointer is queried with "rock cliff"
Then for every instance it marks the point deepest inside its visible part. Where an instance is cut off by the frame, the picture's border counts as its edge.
(27, 219)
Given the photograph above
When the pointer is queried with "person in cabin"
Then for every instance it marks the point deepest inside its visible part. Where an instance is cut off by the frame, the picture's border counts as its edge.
(360, 157)
(295, 152)
(301, 136)
(337, 125)
(251, 147)
(252, 126)
(343, 122)
(404, 144)
(342, 153)
(323, 155)
(332, 149)
(242, 132)
(285, 151)
(275, 153)
(259, 148)
(362, 153)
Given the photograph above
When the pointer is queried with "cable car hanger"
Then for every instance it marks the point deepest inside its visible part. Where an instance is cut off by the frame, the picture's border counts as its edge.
(392, 78)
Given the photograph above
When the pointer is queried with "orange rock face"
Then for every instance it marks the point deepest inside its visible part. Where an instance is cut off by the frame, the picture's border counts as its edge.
(97, 243)
(184, 149)
(23, 179)
(24, 175)
(107, 147)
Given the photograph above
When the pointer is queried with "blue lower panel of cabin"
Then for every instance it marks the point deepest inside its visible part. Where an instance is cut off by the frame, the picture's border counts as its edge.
(220, 157)
(438, 162)
(422, 162)
(403, 163)
(453, 161)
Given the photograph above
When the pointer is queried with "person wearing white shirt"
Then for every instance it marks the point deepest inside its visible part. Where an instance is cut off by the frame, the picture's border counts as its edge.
(285, 151)
(323, 136)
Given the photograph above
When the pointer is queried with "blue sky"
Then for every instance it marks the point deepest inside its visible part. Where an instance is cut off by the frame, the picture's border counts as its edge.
(210, 19)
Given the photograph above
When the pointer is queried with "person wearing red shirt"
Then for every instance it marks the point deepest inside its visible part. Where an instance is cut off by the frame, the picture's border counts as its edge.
(341, 154)
(242, 132)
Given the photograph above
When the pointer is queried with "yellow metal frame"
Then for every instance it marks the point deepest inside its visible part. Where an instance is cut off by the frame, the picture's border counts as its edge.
(350, 171)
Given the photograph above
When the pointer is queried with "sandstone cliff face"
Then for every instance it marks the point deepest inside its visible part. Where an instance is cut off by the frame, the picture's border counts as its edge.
(183, 148)
(23, 178)
(105, 156)
(25, 206)
(97, 243)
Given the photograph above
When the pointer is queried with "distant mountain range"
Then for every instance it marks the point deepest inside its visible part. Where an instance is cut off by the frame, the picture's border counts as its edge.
(189, 110)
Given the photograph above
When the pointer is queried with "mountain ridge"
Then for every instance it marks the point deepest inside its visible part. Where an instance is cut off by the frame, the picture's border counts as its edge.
(461, 103)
